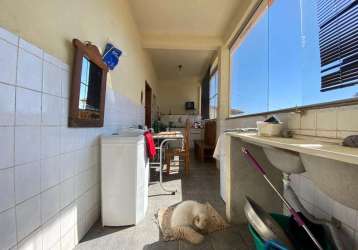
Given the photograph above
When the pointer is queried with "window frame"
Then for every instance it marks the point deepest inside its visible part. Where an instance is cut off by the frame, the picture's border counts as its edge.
(253, 16)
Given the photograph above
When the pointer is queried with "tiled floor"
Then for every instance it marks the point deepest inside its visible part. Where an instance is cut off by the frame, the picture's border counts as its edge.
(202, 185)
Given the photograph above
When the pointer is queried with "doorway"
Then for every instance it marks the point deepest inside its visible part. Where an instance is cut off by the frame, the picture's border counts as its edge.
(148, 105)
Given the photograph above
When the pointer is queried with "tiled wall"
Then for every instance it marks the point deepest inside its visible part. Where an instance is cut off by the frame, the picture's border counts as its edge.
(331, 123)
(49, 173)
(179, 120)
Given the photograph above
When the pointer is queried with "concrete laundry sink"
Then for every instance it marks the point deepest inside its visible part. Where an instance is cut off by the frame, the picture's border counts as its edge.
(287, 161)
(332, 167)
(335, 178)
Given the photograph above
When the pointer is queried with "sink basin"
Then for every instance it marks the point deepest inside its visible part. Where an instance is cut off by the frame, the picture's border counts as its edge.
(287, 161)
(335, 178)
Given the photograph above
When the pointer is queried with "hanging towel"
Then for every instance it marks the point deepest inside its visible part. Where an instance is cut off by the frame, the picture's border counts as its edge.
(218, 148)
(150, 145)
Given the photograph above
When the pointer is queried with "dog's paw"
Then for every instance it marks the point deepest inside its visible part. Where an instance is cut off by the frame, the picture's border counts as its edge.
(197, 239)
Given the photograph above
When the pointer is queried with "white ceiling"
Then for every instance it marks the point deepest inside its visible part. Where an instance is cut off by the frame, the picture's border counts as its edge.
(186, 17)
(183, 32)
(194, 62)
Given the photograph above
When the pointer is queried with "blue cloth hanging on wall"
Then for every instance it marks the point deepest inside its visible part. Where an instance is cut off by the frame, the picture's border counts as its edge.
(111, 56)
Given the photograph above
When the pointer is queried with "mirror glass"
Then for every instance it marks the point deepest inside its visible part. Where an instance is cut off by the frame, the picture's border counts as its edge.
(90, 90)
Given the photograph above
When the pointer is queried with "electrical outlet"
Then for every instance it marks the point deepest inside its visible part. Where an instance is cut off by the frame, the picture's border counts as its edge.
(336, 222)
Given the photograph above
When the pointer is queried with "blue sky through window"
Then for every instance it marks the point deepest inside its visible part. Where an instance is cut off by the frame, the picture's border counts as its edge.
(278, 64)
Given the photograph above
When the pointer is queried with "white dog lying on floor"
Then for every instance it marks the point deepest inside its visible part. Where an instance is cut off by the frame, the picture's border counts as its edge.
(188, 216)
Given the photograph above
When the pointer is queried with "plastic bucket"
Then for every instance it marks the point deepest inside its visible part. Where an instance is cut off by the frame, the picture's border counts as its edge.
(282, 220)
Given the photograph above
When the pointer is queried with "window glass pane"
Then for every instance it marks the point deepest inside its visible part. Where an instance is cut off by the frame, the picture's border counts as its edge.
(299, 52)
(212, 87)
(249, 71)
(213, 107)
(213, 92)
(285, 84)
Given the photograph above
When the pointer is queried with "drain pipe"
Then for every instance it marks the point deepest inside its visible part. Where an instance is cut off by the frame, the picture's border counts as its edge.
(330, 228)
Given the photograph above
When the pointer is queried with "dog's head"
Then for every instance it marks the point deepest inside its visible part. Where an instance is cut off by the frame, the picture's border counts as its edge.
(201, 220)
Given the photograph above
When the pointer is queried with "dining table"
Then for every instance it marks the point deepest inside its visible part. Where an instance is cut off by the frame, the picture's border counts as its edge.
(161, 140)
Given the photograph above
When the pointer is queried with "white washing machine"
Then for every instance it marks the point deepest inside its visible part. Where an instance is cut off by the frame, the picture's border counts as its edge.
(124, 178)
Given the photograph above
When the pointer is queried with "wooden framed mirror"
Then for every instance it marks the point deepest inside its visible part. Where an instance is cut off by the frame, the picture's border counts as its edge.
(88, 90)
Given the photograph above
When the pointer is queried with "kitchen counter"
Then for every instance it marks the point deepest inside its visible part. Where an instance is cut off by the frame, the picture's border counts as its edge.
(310, 146)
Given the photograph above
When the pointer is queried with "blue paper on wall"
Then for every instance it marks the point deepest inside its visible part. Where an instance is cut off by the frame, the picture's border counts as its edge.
(111, 56)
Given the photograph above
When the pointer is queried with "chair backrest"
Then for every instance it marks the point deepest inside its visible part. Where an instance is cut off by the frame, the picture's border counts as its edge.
(210, 132)
(187, 135)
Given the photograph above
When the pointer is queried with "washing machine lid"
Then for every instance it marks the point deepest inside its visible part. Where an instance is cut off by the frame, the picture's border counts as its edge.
(124, 136)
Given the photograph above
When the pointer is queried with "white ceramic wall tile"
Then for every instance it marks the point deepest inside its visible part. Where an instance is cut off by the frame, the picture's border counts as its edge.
(308, 191)
(65, 83)
(347, 237)
(6, 147)
(69, 161)
(345, 214)
(306, 132)
(51, 110)
(308, 120)
(27, 144)
(344, 134)
(64, 180)
(28, 217)
(29, 71)
(83, 205)
(50, 203)
(51, 79)
(29, 47)
(57, 246)
(9, 37)
(50, 172)
(7, 229)
(64, 112)
(80, 229)
(344, 118)
(328, 134)
(50, 142)
(8, 61)
(68, 218)
(7, 105)
(67, 192)
(327, 119)
(52, 59)
(84, 157)
(28, 107)
(67, 139)
(7, 192)
(27, 181)
(318, 213)
(72, 139)
(32, 241)
(51, 233)
(82, 183)
(323, 202)
(68, 240)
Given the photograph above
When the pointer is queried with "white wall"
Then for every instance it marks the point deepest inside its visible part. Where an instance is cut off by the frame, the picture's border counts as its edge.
(174, 93)
(49, 173)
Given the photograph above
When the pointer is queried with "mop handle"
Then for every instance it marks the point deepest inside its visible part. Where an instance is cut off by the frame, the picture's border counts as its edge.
(255, 164)
(295, 215)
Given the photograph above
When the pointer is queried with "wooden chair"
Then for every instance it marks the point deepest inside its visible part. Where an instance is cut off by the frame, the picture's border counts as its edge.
(183, 152)
(204, 149)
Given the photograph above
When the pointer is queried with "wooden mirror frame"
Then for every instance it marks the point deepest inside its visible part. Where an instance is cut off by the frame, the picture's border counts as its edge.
(92, 53)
